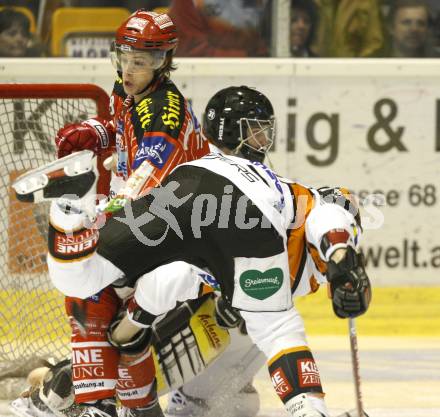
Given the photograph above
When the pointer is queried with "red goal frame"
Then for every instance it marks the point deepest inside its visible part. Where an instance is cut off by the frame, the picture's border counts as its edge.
(10, 362)
(67, 91)
(90, 91)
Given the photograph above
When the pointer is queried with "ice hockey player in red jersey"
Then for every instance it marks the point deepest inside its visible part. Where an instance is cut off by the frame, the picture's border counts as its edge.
(255, 111)
(153, 127)
(152, 131)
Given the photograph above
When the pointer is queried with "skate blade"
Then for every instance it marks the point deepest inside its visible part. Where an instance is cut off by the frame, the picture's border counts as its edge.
(37, 179)
(20, 408)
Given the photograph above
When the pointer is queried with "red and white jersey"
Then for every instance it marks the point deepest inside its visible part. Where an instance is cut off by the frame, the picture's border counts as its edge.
(158, 133)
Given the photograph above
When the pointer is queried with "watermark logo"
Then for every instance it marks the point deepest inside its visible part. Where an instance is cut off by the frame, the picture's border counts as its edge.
(222, 211)
(163, 199)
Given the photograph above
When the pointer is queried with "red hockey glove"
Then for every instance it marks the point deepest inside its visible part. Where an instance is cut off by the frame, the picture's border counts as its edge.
(96, 134)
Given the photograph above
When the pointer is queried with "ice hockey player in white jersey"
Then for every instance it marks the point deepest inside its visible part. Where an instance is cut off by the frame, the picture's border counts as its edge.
(225, 385)
(228, 115)
(239, 229)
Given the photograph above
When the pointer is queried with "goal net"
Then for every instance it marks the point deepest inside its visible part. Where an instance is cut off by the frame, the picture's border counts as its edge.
(33, 324)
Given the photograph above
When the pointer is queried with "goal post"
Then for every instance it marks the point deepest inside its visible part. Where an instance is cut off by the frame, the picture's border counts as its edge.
(33, 323)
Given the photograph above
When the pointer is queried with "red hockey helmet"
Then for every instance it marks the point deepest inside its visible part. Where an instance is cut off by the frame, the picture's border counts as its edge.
(144, 41)
(145, 30)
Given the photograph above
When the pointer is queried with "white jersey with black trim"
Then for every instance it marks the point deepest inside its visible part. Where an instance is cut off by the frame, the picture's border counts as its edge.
(260, 184)
(272, 322)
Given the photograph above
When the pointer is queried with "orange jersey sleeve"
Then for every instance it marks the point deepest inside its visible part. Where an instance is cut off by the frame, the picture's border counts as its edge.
(296, 243)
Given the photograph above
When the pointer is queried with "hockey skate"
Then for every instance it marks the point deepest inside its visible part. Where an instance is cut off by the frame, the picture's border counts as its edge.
(70, 180)
(101, 408)
(302, 406)
(33, 406)
(74, 174)
(30, 406)
(181, 405)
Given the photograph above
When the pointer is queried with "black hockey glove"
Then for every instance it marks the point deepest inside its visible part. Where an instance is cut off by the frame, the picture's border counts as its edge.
(349, 285)
(226, 315)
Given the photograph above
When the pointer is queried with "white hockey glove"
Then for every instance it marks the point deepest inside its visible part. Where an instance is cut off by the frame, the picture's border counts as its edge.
(349, 285)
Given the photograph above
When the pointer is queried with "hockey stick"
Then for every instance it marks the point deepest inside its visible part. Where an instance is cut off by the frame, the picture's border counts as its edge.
(358, 411)
(355, 364)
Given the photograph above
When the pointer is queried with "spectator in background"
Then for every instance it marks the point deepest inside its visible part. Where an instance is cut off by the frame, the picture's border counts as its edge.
(409, 30)
(32, 5)
(349, 28)
(15, 37)
(218, 28)
(303, 20)
(133, 5)
(434, 13)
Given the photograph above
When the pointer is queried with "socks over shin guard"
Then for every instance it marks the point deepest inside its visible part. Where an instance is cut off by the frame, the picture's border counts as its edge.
(136, 385)
(94, 360)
